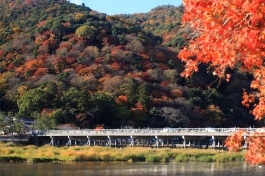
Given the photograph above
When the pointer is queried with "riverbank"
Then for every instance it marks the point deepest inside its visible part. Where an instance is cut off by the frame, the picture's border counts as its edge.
(10, 152)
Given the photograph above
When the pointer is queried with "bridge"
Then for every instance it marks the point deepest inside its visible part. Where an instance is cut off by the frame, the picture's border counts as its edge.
(147, 137)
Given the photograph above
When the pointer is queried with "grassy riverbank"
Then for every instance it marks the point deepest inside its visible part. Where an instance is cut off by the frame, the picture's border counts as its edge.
(15, 153)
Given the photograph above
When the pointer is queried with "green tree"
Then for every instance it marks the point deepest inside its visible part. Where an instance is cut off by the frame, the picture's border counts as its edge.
(32, 100)
(144, 95)
(44, 122)
(104, 104)
(74, 99)
(204, 98)
(10, 124)
(122, 116)
(128, 88)
(86, 31)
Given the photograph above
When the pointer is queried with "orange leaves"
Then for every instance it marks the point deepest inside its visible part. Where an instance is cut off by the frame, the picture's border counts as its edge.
(40, 72)
(234, 142)
(225, 33)
(259, 110)
(247, 99)
(256, 145)
(190, 68)
(138, 107)
(115, 66)
(121, 100)
(257, 99)
(30, 65)
(256, 153)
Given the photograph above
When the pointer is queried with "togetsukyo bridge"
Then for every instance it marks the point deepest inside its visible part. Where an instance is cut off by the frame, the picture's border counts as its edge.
(148, 137)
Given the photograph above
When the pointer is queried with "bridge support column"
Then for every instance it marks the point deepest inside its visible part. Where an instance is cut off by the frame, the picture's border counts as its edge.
(88, 140)
(213, 144)
(69, 141)
(109, 141)
(132, 141)
(157, 141)
(52, 141)
(184, 141)
(149, 142)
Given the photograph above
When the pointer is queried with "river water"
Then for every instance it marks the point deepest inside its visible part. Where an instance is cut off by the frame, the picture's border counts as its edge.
(130, 169)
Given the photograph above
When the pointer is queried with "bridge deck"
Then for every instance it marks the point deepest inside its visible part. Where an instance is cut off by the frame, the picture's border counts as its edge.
(184, 137)
(148, 132)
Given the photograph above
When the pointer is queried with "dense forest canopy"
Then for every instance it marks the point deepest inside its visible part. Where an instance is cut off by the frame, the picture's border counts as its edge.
(63, 63)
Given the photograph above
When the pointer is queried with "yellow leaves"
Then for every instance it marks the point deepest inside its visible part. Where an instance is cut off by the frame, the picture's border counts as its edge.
(22, 90)
(16, 29)
(79, 16)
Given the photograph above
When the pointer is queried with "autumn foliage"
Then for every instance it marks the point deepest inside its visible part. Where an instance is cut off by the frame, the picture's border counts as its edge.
(234, 142)
(230, 34)
(255, 154)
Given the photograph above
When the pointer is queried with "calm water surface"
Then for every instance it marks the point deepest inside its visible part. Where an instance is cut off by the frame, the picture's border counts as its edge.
(130, 169)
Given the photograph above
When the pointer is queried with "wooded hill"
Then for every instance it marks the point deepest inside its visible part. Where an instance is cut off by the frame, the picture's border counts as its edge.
(63, 63)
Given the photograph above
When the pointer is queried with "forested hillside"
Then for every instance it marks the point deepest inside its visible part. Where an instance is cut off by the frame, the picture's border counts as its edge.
(62, 63)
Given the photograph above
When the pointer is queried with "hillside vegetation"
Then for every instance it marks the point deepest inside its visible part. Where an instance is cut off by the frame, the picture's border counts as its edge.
(62, 63)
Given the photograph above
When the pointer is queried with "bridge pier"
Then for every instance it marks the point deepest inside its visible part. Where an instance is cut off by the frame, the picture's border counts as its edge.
(184, 141)
(69, 141)
(52, 141)
(213, 143)
(88, 141)
(132, 141)
(157, 142)
(109, 141)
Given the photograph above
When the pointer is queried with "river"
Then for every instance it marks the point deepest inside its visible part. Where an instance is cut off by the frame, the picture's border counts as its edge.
(130, 169)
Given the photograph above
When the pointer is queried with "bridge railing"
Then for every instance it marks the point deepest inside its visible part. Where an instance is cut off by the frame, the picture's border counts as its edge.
(143, 131)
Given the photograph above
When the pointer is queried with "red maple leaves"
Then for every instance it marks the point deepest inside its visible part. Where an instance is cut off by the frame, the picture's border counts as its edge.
(229, 34)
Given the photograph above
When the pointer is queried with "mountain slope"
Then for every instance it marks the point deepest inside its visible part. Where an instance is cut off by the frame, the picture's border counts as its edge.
(63, 63)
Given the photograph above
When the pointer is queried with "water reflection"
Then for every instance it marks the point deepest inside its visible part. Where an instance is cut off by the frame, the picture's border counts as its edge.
(130, 169)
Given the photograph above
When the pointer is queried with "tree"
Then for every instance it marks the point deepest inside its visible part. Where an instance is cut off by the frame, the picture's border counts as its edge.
(32, 100)
(128, 88)
(103, 103)
(74, 99)
(86, 31)
(229, 34)
(9, 124)
(44, 122)
(173, 116)
(144, 99)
